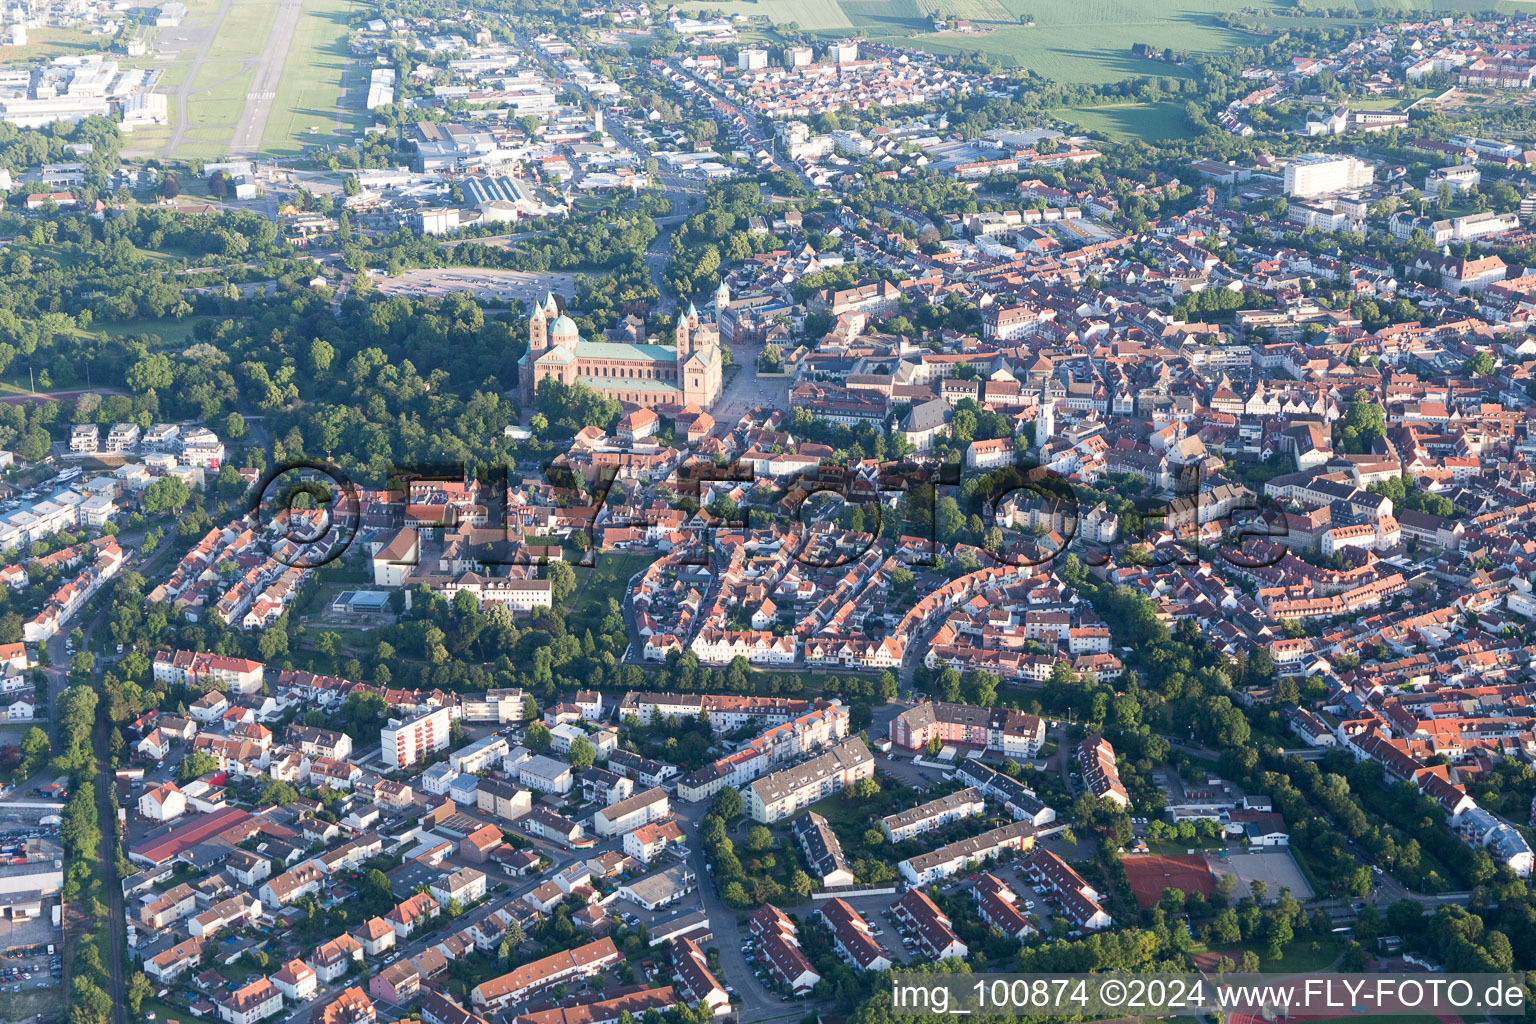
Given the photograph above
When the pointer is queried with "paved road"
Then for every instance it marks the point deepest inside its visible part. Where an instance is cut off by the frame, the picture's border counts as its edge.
(117, 921)
(269, 74)
(562, 859)
(56, 396)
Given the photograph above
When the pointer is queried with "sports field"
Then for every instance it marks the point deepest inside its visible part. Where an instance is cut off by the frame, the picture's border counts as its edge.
(1070, 41)
(1149, 876)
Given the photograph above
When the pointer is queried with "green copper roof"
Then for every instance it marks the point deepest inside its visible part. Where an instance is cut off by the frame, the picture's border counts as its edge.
(630, 384)
(625, 350)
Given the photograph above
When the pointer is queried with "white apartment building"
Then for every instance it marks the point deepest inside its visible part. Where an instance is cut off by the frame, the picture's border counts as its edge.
(545, 774)
(84, 438)
(413, 740)
(122, 437)
(480, 755)
(1318, 174)
(628, 815)
(1457, 176)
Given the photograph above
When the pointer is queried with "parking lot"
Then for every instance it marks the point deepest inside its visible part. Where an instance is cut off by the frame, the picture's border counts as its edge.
(486, 284)
(30, 883)
(38, 965)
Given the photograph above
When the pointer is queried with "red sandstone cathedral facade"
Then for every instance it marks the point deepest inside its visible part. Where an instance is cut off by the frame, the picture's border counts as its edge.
(639, 374)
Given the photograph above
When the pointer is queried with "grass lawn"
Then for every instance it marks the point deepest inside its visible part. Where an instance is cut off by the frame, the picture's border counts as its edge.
(163, 1013)
(849, 818)
(1298, 958)
(244, 31)
(589, 604)
(172, 333)
(1148, 122)
(239, 972)
(213, 106)
(171, 75)
(47, 43)
(310, 93)
(1175, 848)
(1387, 102)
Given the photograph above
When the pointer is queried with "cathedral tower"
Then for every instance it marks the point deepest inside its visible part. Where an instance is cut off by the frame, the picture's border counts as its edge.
(538, 344)
(687, 323)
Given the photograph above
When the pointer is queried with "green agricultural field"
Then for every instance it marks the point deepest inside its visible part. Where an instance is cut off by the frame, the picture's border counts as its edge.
(311, 92)
(1077, 42)
(1149, 122)
(811, 15)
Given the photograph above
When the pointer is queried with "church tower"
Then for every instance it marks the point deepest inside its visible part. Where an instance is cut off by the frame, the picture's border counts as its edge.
(686, 325)
(1045, 419)
(722, 300)
(538, 344)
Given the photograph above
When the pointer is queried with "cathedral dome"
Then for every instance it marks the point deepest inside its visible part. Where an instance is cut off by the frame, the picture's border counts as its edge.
(563, 327)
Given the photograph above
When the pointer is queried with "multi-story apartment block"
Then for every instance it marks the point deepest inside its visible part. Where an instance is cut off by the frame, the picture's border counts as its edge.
(727, 712)
(629, 814)
(84, 438)
(933, 814)
(957, 856)
(1010, 732)
(1079, 900)
(823, 852)
(238, 675)
(123, 437)
(781, 794)
(582, 962)
(415, 739)
(500, 706)
(1096, 760)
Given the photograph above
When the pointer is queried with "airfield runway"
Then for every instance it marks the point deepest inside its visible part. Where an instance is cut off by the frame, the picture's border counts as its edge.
(269, 73)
